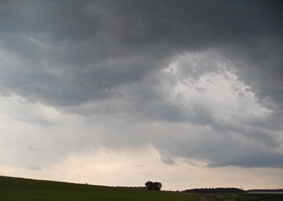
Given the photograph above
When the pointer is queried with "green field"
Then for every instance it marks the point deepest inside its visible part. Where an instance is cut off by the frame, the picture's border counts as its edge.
(17, 189)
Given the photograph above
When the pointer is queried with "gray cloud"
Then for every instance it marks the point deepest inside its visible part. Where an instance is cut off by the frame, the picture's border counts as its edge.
(96, 45)
(34, 167)
(108, 57)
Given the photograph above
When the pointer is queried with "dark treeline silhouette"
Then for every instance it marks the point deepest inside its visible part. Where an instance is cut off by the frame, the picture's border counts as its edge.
(214, 190)
(149, 185)
(264, 190)
(153, 185)
(138, 187)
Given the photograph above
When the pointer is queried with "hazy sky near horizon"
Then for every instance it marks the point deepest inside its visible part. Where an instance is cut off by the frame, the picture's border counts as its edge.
(188, 93)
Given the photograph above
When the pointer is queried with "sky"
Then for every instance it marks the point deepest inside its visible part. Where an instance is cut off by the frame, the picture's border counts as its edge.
(117, 93)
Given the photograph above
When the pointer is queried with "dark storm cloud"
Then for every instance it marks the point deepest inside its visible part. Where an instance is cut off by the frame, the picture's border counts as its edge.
(68, 53)
(80, 37)
(220, 148)
(258, 159)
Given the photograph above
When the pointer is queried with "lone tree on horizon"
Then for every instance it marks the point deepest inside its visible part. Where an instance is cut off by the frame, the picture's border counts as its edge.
(153, 185)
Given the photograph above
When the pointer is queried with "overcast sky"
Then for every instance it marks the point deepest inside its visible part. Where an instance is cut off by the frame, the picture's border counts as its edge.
(187, 93)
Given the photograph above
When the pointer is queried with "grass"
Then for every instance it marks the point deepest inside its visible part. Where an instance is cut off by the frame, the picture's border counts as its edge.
(18, 189)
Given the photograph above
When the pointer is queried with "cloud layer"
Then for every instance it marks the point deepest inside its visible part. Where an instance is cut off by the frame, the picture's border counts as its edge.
(197, 80)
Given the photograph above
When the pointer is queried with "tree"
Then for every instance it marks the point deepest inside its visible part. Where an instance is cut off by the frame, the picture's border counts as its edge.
(153, 185)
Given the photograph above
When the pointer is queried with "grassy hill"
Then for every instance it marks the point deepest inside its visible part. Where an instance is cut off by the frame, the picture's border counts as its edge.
(18, 189)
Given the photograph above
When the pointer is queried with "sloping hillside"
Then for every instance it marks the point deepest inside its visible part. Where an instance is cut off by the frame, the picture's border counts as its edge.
(18, 189)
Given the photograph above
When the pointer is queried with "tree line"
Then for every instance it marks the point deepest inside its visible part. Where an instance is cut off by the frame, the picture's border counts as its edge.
(149, 185)
(153, 185)
(214, 190)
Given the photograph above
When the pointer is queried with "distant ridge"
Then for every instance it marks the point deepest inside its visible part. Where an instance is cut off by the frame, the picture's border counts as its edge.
(265, 190)
(230, 190)
(214, 190)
